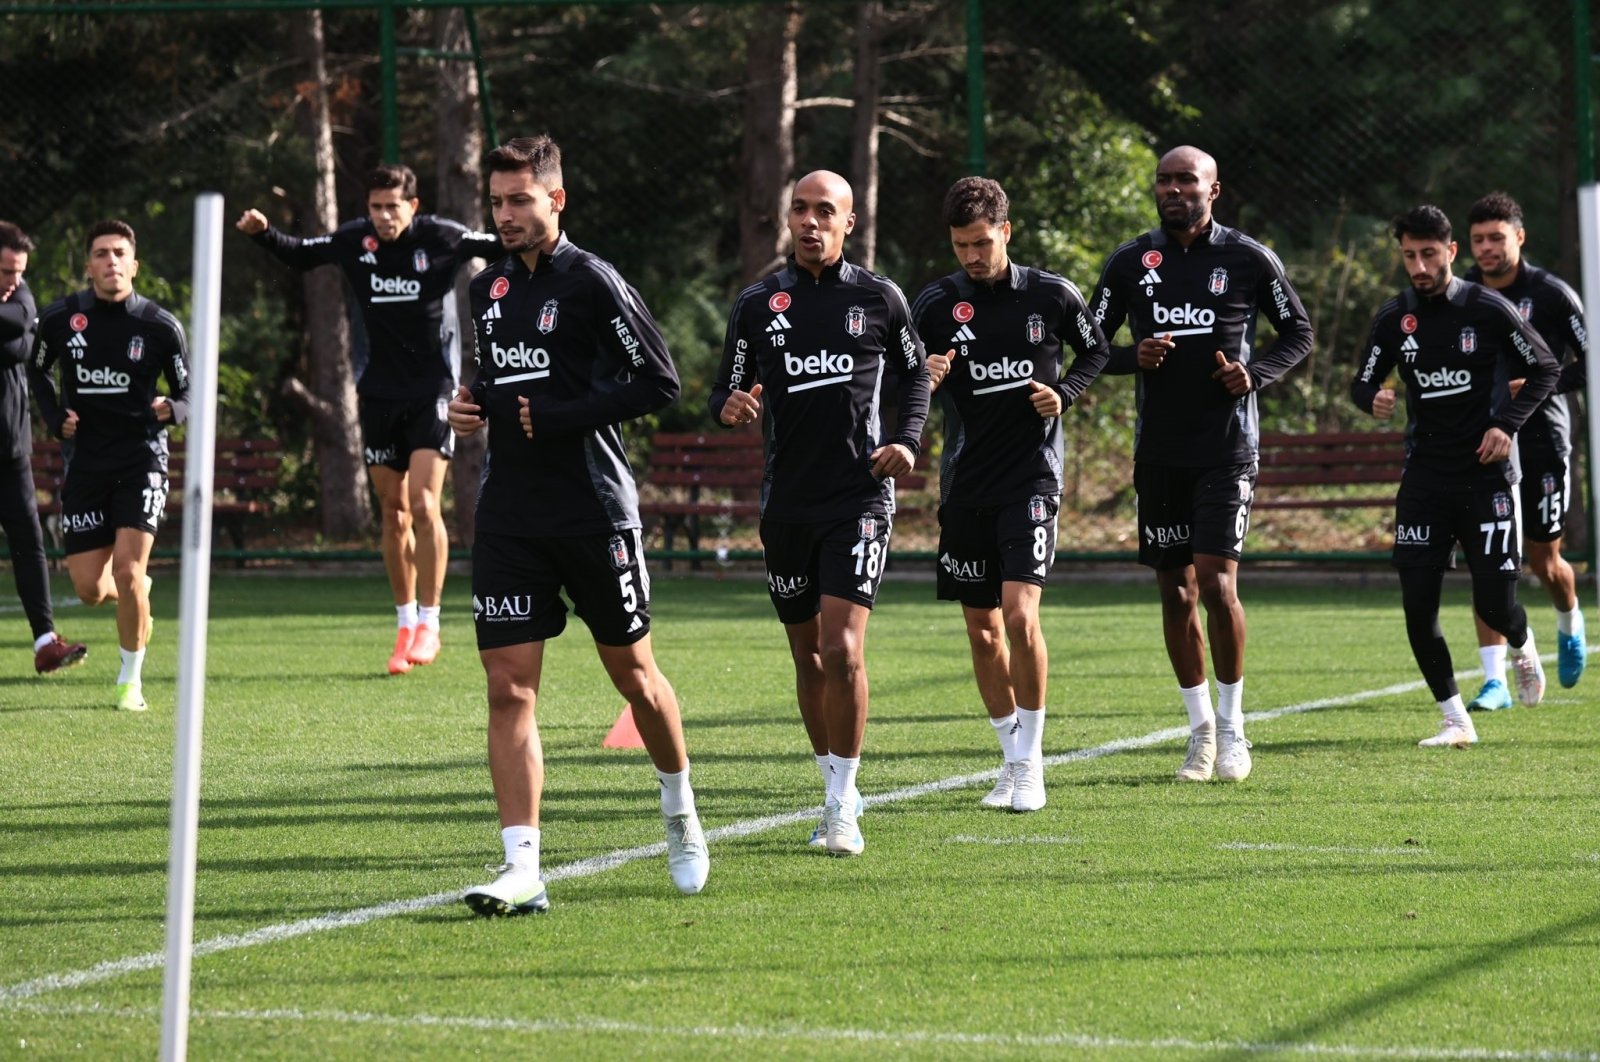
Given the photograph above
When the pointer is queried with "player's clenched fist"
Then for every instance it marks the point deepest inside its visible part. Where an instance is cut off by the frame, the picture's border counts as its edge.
(1153, 351)
(742, 407)
(251, 222)
(939, 368)
(465, 415)
(1046, 402)
(891, 460)
(1233, 375)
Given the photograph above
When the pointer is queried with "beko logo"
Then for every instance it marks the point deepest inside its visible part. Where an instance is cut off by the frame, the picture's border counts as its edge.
(1444, 382)
(521, 356)
(104, 380)
(833, 368)
(395, 289)
(1009, 374)
(1186, 314)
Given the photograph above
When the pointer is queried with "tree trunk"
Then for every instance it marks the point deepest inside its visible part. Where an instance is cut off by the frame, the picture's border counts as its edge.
(766, 155)
(864, 137)
(330, 402)
(458, 149)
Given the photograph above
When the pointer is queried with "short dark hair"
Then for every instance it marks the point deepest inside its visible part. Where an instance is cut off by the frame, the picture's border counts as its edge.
(976, 199)
(12, 238)
(111, 227)
(1496, 206)
(1425, 222)
(393, 176)
(538, 154)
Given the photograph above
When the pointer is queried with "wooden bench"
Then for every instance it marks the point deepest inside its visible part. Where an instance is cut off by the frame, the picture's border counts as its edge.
(1297, 470)
(245, 473)
(715, 475)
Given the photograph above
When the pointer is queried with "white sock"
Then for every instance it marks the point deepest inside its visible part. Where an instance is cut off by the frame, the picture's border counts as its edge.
(522, 846)
(1004, 729)
(1494, 661)
(842, 785)
(132, 665)
(825, 765)
(406, 615)
(1455, 712)
(428, 616)
(676, 796)
(1230, 706)
(1030, 733)
(1197, 700)
(43, 640)
(1565, 621)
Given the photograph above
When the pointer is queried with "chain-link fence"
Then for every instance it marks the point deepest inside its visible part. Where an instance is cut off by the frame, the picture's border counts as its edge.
(1326, 117)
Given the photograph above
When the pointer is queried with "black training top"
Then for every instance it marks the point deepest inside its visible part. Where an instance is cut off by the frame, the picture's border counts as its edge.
(1006, 336)
(821, 347)
(1206, 297)
(18, 319)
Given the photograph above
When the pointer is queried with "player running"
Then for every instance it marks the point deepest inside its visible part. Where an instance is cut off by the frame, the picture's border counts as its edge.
(1454, 344)
(811, 344)
(1003, 393)
(566, 353)
(1544, 445)
(114, 347)
(1191, 290)
(402, 267)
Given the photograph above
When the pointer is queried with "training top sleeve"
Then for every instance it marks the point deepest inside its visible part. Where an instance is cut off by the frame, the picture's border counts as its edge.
(1383, 354)
(298, 252)
(1574, 336)
(634, 372)
(737, 370)
(41, 367)
(1280, 303)
(1079, 330)
(912, 369)
(1529, 356)
(176, 371)
(18, 316)
(1111, 310)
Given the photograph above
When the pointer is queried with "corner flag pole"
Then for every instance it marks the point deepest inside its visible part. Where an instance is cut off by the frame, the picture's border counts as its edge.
(193, 610)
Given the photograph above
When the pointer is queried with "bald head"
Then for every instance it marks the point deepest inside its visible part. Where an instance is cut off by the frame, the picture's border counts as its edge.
(821, 215)
(1186, 186)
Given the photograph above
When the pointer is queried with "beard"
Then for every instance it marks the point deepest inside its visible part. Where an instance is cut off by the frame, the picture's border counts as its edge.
(1188, 220)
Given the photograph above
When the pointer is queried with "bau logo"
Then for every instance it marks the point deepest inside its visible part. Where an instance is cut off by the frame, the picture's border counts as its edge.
(788, 585)
(508, 609)
(1412, 534)
(964, 570)
(1163, 537)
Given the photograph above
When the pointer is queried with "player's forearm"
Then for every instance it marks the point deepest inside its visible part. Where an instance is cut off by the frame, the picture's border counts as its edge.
(1287, 351)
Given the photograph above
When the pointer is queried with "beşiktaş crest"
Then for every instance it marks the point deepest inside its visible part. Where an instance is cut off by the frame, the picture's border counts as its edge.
(136, 348)
(419, 260)
(547, 317)
(1035, 329)
(855, 320)
(1219, 281)
(1469, 340)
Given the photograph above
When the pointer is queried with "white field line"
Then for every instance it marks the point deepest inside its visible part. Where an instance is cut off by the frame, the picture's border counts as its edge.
(967, 838)
(1245, 846)
(66, 602)
(801, 1033)
(114, 968)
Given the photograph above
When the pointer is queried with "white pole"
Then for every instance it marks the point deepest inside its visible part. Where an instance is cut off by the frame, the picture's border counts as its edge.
(193, 610)
(1589, 246)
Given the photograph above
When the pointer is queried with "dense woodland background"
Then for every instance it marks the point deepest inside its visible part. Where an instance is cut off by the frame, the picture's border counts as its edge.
(682, 125)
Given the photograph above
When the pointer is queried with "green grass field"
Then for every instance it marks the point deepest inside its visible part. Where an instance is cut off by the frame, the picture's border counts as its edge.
(1357, 897)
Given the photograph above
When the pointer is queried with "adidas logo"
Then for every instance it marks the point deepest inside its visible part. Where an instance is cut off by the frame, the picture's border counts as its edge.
(369, 258)
(525, 844)
(77, 342)
(963, 335)
(1509, 566)
(1409, 344)
(1040, 572)
(1150, 277)
(779, 323)
(492, 313)
(635, 625)
(865, 588)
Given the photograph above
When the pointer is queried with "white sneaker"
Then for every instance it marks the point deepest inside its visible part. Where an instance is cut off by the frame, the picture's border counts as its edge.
(1529, 672)
(1027, 793)
(844, 832)
(1233, 757)
(1453, 734)
(819, 834)
(1197, 766)
(687, 859)
(516, 891)
(1000, 795)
